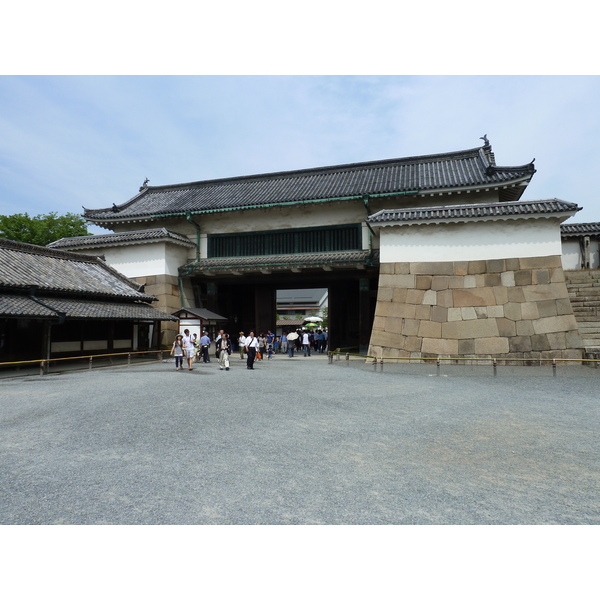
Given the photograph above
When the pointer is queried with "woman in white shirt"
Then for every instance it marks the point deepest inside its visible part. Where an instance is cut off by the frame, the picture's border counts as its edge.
(241, 344)
(251, 348)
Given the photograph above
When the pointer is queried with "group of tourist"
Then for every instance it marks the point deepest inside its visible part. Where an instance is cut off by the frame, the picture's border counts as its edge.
(190, 347)
(250, 347)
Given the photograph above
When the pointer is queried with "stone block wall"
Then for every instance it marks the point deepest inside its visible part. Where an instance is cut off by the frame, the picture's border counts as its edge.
(166, 289)
(508, 309)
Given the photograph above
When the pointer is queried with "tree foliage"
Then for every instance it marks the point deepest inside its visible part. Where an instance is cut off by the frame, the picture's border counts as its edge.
(41, 229)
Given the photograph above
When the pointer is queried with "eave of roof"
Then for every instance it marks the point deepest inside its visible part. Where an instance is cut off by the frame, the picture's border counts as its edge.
(474, 212)
(48, 307)
(202, 313)
(282, 262)
(579, 229)
(128, 238)
(58, 272)
(449, 172)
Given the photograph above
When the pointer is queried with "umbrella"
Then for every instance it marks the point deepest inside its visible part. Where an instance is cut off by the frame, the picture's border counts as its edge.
(292, 336)
(311, 319)
(310, 324)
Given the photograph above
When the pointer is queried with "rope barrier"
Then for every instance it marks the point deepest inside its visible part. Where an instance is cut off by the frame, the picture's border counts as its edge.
(44, 363)
(457, 359)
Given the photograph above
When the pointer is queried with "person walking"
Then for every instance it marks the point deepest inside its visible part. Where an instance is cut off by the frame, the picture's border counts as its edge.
(205, 344)
(242, 344)
(270, 338)
(196, 344)
(283, 342)
(291, 343)
(189, 349)
(251, 348)
(177, 352)
(262, 342)
(224, 350)
(306, 343)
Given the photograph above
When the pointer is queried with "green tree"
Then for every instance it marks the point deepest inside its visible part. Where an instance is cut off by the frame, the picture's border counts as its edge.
(41, 229)
(324, 314)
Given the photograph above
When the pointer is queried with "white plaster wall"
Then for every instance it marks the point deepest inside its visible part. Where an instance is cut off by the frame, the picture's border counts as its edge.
(571, 256)
(470, 241)
(287, 217)
(595, 254)
(147, 259)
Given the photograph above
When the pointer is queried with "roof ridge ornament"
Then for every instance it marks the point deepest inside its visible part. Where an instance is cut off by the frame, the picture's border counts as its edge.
(487, 149)
(145, 184)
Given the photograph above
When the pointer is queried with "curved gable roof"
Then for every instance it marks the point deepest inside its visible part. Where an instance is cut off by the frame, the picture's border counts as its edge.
(128, 238)
(463, 212)
(24, 266)
(466, 169)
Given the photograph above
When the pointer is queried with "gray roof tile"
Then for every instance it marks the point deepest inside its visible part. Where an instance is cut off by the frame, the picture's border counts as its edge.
(579, 229)
(473, 211)
(283, 261)
(51, 270)
(127, 238)
(455, 170)
(38, 282)
(21, 306)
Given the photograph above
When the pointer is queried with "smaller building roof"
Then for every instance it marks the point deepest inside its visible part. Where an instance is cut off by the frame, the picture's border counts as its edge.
(45, 307)
(127, 238)
(282, 262)
(579, 229)
(46, 283)
(23, 266)
(468, 212)
(201, 313)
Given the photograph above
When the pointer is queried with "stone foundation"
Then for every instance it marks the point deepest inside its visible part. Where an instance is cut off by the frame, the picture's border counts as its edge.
(510, 309)
(166, 289)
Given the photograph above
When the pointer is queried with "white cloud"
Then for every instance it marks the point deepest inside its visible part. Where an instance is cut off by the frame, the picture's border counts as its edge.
(72, 141)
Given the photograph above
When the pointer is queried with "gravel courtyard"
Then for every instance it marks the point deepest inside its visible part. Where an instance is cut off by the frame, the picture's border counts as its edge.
(301, 441)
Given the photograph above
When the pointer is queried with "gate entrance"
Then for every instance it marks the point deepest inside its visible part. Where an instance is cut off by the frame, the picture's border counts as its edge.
(249, 301)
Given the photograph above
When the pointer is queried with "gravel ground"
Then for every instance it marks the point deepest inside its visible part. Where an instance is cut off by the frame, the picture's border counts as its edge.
(301, 441)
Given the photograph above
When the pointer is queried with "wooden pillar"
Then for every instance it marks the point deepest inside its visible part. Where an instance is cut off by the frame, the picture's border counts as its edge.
(265, 309)
(364, 315)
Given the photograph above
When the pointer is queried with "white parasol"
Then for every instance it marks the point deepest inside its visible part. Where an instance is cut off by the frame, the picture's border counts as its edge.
(292, 336)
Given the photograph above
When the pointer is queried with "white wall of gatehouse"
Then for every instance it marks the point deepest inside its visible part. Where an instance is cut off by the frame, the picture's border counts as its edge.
(146, 259)
(470, 241)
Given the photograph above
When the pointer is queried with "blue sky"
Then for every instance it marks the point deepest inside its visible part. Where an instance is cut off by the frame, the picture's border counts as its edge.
(95, 98)
(73, 141)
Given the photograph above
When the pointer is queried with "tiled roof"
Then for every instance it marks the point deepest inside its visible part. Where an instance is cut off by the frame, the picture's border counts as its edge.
(289, 323)
(473, 211)
(578, 229)
(203, 313)
(283, 261)
(122, 239)
(50, 307)
(23, 266)
(467, 169)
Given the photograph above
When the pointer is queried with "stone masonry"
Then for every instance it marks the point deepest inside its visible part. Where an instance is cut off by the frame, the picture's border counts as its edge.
(166, 289)
(515, 310)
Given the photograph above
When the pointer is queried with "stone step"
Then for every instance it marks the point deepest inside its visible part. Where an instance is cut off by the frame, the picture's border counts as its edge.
(593, 292)
(582, 275)
(590, 311)
(582, 300)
